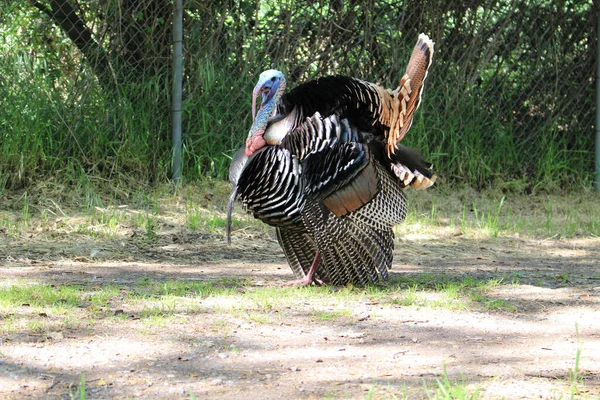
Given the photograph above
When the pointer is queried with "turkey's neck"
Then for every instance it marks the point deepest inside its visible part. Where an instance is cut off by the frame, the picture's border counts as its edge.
(255, 137)
(266, 111)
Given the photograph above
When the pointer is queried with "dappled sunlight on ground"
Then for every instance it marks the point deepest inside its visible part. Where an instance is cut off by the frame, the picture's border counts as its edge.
(506, 315)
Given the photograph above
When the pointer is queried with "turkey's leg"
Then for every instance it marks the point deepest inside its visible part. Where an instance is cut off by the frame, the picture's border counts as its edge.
(308, 278)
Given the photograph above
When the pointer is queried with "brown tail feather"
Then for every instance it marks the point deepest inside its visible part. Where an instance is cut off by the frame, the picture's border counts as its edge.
(410, 89)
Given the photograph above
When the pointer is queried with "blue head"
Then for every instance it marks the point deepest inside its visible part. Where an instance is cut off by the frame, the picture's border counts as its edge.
(269, 83)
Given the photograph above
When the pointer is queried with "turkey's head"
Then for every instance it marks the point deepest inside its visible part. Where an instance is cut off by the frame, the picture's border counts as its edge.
(271, 84)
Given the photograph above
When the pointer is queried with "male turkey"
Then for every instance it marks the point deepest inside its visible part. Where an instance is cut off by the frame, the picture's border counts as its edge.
(323, 165)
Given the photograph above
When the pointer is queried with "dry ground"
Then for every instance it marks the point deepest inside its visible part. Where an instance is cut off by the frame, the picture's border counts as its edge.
(519, 339)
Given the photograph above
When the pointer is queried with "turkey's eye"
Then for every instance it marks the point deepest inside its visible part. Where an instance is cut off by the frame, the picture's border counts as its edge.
(273, 79)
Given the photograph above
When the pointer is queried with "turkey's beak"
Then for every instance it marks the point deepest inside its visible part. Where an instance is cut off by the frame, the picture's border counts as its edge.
(255, 93)
(260, 88)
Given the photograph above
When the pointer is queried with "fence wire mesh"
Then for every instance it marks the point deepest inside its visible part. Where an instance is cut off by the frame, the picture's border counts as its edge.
(510, 95)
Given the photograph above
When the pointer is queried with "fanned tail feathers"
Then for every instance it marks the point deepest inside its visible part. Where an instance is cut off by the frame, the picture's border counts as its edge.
(411, 169)
(409, 91)
(300, 250)
(357, 247)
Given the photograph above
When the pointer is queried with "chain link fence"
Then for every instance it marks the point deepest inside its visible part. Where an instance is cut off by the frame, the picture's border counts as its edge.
(510, 97)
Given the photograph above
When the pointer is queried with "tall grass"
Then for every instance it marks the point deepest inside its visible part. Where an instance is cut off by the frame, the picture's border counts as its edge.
(70, 129)
(472, 146)
(492, 115)
(216, 119)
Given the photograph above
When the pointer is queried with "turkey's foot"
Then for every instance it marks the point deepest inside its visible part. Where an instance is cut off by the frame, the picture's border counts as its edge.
(309, 277)
(302, 282)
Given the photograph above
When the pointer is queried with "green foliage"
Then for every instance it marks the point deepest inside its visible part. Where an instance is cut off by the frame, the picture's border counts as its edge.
(454, 390)
(494, 214)
(507, 104)
(81, 387)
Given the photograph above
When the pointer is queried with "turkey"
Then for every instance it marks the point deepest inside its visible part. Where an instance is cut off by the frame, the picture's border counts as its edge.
(323, 165)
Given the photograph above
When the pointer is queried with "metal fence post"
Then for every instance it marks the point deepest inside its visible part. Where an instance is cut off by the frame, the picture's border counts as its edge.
(597, 174)
(176, 96)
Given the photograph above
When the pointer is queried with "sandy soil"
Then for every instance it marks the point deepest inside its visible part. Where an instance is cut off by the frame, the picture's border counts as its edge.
(389, 350)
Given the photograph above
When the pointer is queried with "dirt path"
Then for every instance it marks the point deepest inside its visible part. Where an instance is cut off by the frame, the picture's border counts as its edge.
(525, 350)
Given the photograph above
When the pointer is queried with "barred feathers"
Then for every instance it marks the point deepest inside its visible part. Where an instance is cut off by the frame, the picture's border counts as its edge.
(332, 174)
(326, 193)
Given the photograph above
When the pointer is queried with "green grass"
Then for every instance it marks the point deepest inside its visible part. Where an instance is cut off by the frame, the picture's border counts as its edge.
(444, 388)
(574, 374)
(41, 295)
(454, 389)
(80, 393)
(427, 290)
(201, 219)
(490, 215)
(493, 214)
(121, 139)
(75, 306)
(157, 304)
(150, 306)
(171, 297)
(61, 140)
(331, 315)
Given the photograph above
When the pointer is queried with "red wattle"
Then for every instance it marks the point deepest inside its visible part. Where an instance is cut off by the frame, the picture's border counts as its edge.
(254, 143)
